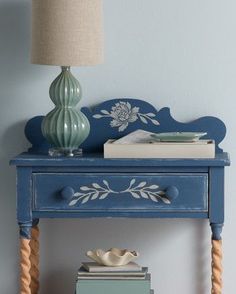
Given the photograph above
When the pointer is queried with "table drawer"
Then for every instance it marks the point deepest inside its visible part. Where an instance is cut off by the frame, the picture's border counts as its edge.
(103, 192)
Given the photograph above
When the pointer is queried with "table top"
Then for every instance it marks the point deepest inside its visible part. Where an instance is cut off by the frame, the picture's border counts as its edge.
(97, 160)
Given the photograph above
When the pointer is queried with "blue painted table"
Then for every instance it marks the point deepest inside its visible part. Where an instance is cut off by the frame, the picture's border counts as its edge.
(91, 186)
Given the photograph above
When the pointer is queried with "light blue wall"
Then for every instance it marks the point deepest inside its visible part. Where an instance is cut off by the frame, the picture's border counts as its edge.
(180, 54)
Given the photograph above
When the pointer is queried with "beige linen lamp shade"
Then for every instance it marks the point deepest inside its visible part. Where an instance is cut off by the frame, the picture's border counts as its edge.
(67, 32)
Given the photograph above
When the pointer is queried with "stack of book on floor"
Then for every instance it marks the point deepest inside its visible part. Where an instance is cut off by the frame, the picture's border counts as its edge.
(143, 144)
(96, 279)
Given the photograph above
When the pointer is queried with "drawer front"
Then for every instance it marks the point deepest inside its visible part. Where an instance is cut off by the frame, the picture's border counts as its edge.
(120, 192)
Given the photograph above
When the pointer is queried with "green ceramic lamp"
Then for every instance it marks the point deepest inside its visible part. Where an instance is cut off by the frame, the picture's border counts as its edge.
(66, 33)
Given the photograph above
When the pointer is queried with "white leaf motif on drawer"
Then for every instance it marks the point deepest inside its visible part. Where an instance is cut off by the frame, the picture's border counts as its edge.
(136, 190)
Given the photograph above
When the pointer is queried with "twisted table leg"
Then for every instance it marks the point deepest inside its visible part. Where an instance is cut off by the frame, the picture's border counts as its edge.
(217, 267)
(25, 265)
(34, 258)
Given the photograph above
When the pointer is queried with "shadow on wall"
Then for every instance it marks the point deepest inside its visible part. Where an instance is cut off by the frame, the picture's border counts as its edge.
(14, 70)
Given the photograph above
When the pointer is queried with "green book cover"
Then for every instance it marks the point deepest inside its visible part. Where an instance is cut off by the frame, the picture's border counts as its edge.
(113, 286)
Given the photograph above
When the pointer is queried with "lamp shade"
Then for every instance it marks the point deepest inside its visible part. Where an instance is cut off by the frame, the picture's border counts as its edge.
(67, 32)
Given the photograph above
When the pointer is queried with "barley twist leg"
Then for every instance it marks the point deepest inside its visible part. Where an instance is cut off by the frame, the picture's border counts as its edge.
(25, 265)
(217, 267)
(216, 254)
(34, 258)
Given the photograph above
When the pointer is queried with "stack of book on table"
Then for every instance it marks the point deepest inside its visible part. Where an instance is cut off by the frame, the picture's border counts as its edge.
(143, 144)
(129, 279)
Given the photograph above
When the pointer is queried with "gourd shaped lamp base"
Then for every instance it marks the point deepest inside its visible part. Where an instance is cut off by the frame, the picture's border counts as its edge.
(65, 127)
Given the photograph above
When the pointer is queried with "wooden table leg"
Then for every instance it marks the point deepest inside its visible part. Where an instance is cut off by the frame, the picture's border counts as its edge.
(25, 264)
(34, 259)
(217, 268)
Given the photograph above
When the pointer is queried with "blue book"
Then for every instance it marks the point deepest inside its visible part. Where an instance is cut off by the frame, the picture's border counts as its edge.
(113, 286)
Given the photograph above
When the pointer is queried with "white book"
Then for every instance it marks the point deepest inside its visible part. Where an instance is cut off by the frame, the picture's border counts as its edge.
(110, 278)
(83, 273)
(198, 149)
(96, 268)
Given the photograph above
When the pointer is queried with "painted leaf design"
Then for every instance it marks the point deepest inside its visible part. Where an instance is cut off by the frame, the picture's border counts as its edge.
(166, 200)
(73, 202)
(150, 114)
(155, 122)
(97, 116)
(95, 185)
(128, 104)
(84, 188)
(144, 195)
(78, 194)
(153, 198)
(132, 182)
(135, 195)
(153, 187)
(95, 196)
(103, 196)
(105, 183)
(123, 127)
(139, 191)
(142, 184)
(86, 199)
(143, 119)
(104, 111)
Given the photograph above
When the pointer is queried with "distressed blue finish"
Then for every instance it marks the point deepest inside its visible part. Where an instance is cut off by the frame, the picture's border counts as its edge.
(213, 126)
(25, 230)
(24, 195)
(97, 160)
(113, 119)
(50, 187)
(67, 192)
(216, 195)
(114, 192)
(120, 214)
(216, 231)
(34, 134)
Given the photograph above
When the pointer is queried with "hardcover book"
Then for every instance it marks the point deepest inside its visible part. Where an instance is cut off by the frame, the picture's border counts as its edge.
(84, 274)
(198, 149)
(96, 268)
(114, 286)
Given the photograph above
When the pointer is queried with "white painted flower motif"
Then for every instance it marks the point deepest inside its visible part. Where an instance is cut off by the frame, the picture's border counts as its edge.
(123, 113)
(138, 191)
